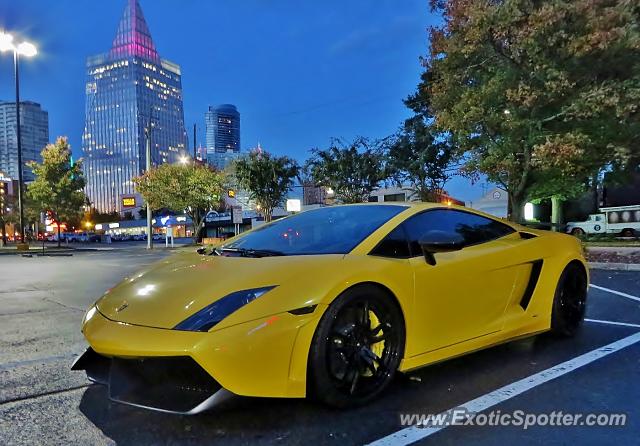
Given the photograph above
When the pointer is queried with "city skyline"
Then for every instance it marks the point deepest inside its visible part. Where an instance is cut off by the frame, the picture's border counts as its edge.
(301, 74)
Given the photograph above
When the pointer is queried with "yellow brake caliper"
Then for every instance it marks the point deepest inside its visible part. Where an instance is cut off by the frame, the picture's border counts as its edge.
(378, 347)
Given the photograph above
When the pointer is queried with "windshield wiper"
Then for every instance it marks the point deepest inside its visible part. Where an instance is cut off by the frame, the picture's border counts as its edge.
(248, 252)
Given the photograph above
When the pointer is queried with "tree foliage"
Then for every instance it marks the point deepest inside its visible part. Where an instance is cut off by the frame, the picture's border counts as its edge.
(192, 188)
(422, 157)
(536, 92)
(8, 214)
(268, 179)
(58, 185)
(353, 170)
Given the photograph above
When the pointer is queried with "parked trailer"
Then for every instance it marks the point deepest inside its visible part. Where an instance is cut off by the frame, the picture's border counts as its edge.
(622, 220)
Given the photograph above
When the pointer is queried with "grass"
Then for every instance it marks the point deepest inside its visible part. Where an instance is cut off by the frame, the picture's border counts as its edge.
(609, 241)
(612, 243)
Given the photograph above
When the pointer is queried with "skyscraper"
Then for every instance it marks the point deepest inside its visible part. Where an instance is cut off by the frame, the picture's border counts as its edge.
(222, 135)
(127, 88)
(34, 134)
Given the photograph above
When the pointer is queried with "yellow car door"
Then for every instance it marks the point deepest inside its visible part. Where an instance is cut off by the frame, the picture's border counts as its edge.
(465, 293)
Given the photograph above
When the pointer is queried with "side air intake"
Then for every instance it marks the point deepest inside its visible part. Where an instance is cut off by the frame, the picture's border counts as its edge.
(536, 268)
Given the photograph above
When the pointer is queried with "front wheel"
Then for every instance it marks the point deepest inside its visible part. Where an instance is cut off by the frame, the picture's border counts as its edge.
(357, 347)
(569, 302)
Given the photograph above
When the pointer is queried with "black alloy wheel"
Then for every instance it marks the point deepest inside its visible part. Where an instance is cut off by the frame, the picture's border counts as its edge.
(357, 347)
(570, 301)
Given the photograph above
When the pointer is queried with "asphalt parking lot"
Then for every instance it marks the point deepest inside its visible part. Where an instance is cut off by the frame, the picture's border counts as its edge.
(42, 300)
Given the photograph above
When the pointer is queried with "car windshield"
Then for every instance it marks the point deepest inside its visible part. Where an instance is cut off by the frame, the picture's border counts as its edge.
(329, 230)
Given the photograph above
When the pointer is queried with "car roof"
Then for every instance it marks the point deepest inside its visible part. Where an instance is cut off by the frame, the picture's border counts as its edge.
(422, 204)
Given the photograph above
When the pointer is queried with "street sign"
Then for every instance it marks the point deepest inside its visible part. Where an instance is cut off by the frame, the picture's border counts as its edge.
(128, 202)
(293, 205)
(236, 215)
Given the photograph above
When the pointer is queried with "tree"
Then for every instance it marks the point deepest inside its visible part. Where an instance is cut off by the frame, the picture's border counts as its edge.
(526, 87)
(7, 211)
(192, 188)
(268, 179)
(58, 185)
(95, 216)
(353, 170)
(422, 157)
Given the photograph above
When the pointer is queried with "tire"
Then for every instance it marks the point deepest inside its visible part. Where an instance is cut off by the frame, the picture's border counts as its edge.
(357, 348)
(628, 232)
(569, 301)
(577, 232)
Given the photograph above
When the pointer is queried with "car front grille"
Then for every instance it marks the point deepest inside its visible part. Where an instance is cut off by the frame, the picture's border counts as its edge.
(173, 383)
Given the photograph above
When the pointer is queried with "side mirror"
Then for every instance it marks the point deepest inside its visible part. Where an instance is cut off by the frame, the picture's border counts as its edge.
(440, 241)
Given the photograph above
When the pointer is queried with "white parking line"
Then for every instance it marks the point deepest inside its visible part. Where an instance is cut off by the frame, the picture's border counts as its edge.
(619, 293)
(623, 324)
(412, 434)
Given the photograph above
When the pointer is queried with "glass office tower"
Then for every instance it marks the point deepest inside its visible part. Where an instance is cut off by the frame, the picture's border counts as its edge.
(222, 135)
(34, 127)
(126, 89)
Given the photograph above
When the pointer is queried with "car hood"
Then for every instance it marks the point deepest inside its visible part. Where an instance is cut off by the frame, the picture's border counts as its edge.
(173, 289)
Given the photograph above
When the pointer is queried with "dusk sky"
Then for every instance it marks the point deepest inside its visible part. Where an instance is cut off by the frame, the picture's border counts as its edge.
(299, 72)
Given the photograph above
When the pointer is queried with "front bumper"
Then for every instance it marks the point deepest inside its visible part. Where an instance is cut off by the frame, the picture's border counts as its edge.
(174, 384)
(264, 358)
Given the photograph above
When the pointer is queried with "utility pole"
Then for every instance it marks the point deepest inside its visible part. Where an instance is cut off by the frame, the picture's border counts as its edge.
(148, 168)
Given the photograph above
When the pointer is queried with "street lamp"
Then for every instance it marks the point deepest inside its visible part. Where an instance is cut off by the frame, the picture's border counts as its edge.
(25, 49)
(184, 159)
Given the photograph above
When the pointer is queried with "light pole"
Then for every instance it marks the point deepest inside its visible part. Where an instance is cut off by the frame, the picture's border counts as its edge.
(148, 168)
(25, 49)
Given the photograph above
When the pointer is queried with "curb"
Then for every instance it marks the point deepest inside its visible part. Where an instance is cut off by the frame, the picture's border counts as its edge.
(615, 266)
(7, 252)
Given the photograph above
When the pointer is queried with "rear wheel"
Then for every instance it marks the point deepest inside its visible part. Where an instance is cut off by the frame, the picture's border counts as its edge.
(628, 232)
(357, 347)
(569, 302)
(577, 231)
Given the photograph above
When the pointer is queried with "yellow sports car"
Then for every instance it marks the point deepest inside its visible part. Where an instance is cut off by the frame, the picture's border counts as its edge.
(329, 303)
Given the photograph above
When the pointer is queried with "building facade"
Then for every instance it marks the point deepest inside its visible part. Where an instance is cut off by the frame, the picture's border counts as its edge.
(128, 90)
(34, 127)
(222, 135)
(494, 202)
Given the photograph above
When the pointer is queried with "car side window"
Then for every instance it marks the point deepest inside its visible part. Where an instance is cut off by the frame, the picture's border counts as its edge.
(473, 228)
(395, 245)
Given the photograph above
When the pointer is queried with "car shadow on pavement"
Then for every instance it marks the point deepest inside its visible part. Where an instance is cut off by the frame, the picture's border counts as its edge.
(433, 389)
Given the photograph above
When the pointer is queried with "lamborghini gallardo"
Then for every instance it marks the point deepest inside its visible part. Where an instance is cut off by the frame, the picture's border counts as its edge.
(330, 304)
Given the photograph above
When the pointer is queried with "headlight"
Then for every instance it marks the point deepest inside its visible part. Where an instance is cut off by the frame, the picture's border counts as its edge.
(210, 315)
(89, 314)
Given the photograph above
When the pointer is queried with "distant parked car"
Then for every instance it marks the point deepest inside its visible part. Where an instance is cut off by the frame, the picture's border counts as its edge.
(95, 238)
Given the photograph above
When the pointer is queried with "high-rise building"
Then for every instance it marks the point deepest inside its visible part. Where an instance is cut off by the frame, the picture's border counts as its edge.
(34, 129)
(126, 89)
(222, 135)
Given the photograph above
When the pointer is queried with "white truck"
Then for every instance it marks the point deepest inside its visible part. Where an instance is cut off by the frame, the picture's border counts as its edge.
(622, 220)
